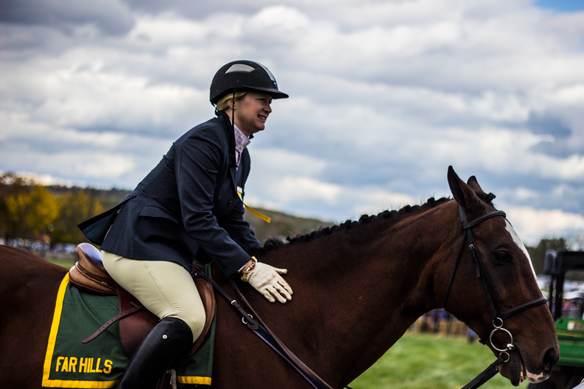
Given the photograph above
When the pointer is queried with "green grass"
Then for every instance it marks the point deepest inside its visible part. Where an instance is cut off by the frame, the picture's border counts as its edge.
(419, 361)
(66, 264)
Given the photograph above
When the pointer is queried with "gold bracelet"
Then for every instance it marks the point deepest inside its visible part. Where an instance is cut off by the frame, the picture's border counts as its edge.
(245, 275)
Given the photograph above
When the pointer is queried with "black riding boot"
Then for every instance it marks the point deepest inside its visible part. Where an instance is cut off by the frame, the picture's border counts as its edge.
(169, 341)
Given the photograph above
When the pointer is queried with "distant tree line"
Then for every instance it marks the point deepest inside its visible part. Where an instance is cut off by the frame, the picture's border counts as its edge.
(29, 210)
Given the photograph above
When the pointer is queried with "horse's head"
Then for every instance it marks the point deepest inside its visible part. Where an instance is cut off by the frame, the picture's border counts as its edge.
(493, 288)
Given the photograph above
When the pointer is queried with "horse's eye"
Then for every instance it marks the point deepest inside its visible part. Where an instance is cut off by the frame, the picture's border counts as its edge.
(502, 256)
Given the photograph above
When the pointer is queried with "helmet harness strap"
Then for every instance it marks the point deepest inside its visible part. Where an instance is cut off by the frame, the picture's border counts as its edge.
(232, 134)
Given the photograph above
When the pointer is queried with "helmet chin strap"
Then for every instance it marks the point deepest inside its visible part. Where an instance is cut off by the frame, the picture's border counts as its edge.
(232, 135)
(233, 110)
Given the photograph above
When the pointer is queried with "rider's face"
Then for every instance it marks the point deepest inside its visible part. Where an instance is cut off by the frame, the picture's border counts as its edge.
(252, 111)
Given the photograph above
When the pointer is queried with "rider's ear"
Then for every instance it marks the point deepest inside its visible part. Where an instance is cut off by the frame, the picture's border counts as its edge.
(463, 193)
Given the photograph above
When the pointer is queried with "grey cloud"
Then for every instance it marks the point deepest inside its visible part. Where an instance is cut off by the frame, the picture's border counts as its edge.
(549, 194)
(193, 9)
(560, 148)
(548, 124)
(109, 16)
(563, 141)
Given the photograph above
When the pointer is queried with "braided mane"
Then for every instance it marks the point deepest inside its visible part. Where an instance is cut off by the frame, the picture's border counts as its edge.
(275, 243)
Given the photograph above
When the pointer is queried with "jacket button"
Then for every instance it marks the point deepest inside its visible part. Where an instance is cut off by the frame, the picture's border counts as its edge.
(230, 203)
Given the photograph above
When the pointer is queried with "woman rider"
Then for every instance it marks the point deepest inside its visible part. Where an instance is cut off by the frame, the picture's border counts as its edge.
(189, 204)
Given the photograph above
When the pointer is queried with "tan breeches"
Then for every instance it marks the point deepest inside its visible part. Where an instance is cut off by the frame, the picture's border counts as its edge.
(164, 288)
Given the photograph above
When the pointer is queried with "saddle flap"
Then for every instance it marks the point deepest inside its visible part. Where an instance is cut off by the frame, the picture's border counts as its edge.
(208, 297)
(135, 327)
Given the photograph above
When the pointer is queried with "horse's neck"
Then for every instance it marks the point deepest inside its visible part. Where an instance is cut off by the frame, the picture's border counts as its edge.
(362, 289)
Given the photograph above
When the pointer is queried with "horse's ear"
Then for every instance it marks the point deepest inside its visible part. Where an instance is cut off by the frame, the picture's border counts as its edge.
(463, 193)
(474, 184)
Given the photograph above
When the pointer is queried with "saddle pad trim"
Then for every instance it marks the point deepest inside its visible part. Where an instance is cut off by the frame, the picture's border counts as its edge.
(194, 380)
(49, 383)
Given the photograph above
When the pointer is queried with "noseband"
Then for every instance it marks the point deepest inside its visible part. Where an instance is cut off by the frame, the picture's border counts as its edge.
(494, 306)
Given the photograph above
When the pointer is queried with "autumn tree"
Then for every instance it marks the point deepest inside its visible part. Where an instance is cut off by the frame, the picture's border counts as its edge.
(10, 185)
(27, 208)
(76, 206)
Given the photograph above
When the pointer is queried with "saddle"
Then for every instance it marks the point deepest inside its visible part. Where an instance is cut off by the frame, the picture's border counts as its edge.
(89, 275)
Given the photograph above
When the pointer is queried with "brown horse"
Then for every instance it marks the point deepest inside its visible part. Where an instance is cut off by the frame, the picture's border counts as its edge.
(357, 288)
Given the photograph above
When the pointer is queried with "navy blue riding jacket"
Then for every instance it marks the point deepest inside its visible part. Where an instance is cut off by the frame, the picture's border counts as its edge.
(186, 204)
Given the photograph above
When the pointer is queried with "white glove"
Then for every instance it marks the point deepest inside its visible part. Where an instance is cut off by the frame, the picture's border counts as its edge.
(266, 279)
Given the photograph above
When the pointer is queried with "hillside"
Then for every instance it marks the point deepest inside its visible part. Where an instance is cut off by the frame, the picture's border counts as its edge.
(281, 225)
(108, 198)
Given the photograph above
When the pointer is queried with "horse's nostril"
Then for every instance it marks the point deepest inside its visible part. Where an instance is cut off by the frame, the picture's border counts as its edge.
(550, 359)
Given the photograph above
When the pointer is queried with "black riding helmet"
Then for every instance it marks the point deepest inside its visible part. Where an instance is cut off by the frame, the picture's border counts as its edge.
(244, 75)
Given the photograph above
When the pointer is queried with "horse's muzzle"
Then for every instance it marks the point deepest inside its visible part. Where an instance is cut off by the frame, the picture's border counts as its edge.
(519, 367)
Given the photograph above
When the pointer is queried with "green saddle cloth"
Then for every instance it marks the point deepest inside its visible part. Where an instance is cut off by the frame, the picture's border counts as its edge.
(102, 362)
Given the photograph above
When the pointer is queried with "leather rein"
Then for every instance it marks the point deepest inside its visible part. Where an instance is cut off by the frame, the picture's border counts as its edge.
(497, 312)
(254, 323)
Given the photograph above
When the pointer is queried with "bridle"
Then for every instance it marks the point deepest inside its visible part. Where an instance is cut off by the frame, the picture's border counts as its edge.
(497, 312)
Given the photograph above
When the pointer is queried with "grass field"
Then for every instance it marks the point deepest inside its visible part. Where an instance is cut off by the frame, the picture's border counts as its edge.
(425, 361)
(419, 361)
(65, 264)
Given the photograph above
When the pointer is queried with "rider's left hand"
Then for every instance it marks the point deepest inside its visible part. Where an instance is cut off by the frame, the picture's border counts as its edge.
(268, 281)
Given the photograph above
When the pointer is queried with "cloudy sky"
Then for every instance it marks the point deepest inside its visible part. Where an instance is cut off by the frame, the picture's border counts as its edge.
(384, 96)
